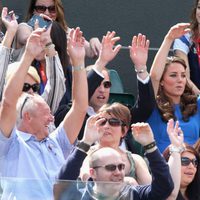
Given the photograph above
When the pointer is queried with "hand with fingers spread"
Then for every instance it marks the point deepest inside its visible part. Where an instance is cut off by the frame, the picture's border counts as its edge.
(75, 46)
(139, 51)
(175, 133)
(142, 133)
(91, 133)
(178, 30)
(108, 50)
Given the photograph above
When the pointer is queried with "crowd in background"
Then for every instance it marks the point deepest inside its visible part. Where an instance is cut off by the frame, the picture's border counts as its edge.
(56, 123)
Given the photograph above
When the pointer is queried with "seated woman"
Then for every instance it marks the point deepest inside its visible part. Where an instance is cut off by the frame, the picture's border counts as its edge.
(183, 161)
(174, 96)
(115, 124)
(54, 9)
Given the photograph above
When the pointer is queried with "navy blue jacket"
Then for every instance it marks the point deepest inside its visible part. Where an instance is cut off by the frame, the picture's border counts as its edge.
(160, 188)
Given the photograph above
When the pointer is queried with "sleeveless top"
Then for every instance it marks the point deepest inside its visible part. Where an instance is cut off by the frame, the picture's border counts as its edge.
(132, 165)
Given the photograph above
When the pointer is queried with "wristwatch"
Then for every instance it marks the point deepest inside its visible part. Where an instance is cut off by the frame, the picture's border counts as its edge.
(173, 148)
(83, 146)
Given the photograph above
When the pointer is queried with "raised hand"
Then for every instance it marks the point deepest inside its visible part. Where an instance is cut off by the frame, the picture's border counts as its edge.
(34, 44)
(95, 46)
(142, 133)
(178, 30)
(108, 50)
(92, 133)
(175, 133)
(139, 50)
(10, 23)
(75, 46)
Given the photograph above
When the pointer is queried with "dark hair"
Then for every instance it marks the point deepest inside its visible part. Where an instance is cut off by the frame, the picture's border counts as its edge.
(192, 191)
(188, 101)
(58, 36)
(59, 12)
(194, 22)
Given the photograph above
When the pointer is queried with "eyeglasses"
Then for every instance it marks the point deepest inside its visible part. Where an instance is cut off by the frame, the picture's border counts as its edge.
(22, 107)
(112, 167)
(42, 9)
(107, 84)
(113, 122)
(35, 87)
(186, 161)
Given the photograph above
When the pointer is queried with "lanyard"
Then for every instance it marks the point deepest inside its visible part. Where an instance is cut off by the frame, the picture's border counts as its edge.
(42, 74)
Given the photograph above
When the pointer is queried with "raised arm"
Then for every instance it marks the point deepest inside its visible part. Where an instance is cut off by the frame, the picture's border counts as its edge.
(74, 119)
(11, 28)
(108, 50)
(71, 170)
(13, 88)
(158, 65)
(174, 162)
(139, 54)
(162, 184)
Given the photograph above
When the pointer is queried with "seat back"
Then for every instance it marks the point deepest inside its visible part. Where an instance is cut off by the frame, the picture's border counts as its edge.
(117, 86)
(123, 98)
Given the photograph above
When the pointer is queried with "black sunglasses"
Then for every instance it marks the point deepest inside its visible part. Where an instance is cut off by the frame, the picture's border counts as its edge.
(42, 9)
(186, 161)
(107, 84)
(35, 87)
(23, 104)
(112, 167)
(113, 122)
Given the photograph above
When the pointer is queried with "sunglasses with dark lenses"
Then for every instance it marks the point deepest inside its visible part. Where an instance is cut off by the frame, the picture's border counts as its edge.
(112, 167)
(42, 9)
(35, 87)
(113, 122)
(186, 161)
(107, 84)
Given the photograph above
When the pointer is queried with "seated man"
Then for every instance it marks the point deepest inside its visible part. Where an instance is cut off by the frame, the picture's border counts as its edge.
(106, 165)
(99, 88)
(27, 149)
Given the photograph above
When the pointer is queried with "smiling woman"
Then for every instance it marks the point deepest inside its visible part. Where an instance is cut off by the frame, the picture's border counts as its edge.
(113, 128)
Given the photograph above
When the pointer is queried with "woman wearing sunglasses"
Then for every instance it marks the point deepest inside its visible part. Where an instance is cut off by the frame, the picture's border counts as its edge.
(115, 124)
(55, 10)
(184, 165)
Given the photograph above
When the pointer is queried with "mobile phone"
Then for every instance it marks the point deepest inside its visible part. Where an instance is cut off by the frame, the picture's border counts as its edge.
(43, 23)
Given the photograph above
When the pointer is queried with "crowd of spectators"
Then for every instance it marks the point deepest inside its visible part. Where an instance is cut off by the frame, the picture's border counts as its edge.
(56, 124)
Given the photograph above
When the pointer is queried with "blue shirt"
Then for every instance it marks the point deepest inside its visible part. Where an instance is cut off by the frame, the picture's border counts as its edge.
(23, 156)
(191, 129)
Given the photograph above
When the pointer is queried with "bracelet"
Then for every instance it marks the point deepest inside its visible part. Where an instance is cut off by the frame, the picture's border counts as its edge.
(48, 44)
(141, 70)
(78, 68)
(173, 149)
(83, 146)
(150, 146)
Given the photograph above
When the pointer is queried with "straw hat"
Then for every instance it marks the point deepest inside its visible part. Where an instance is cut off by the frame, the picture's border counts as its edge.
(31, 72)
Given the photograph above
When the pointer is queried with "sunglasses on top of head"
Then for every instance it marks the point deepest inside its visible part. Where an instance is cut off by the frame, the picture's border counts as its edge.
(186, 161)
(35, 87)
(42, 9)
(113, 122)
(112, 167)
